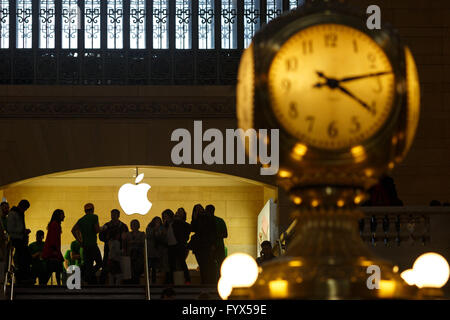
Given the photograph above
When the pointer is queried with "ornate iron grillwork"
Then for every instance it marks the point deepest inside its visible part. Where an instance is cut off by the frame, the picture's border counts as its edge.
(206, 24)
(47, 17)
(92, 24)
(114, 13)
(229, 24)
(183, 15)
(274, 9)
(138, 16)
(24, 18)
(160, 24)
(4, 24)
(70, 23)
(252, 16)
(295, 4)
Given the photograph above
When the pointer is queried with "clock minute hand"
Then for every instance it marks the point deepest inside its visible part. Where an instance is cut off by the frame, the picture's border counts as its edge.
(370, 75)
(365, 105)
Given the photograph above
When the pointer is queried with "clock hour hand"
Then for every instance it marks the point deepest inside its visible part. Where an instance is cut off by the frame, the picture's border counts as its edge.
(365, 105)
(370, 75)
(330, 82)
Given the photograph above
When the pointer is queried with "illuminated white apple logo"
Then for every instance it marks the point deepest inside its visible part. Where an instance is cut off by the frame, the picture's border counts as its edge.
(133, 197)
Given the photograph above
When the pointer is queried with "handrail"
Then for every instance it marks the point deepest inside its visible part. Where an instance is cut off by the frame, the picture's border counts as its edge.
(9, 274)
(285, 236)
(5, 283)
(147, 281)
(377, 211)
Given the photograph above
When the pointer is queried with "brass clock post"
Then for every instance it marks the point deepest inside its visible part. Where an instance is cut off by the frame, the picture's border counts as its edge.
(346, 100)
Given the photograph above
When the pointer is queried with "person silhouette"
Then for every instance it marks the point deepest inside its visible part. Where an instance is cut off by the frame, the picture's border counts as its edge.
(85, 232)
(52, 247)
(134, 244)
(38, 268)
(221, 233)
(18, 233)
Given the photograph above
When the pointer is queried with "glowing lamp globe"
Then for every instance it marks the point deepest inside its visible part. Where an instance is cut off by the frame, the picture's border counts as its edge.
(431, 270)
(133, 197)
(408, 276)
(224, 288)
(239, 270)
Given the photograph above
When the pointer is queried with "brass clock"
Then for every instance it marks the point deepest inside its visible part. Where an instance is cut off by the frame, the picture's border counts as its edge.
(346, 101)
(338, 93)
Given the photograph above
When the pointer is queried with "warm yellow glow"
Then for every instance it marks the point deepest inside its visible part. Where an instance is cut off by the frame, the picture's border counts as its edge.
(387, 289)
(240, 270)
(394, 140)
(299, 151)
(297, 200)
(278, 288)
(295, 263)
(285, 174)
(391, 165)
(358, 199)
(366, 263)
(358, 153)
(413, 90)
(245, 90)
(224, 288)
(315, 203)
(431, 270)
(368, 172)
(340, 203)
(395, 269)
(408, 276)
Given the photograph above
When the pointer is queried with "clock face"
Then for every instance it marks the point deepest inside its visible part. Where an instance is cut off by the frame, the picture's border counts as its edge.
(331, 86)
(244, 92)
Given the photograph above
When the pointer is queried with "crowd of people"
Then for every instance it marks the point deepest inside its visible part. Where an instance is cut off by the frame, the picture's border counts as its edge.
(169, 240)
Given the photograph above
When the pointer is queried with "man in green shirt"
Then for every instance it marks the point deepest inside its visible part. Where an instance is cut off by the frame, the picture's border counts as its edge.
(38, 269)
(85, 232)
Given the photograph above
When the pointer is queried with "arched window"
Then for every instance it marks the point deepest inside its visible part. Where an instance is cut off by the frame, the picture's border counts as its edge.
(4, 24)
(47, 17)
(70, 23)
(24, 24)
(114, 15)
(274, 9)
(183, 25)
(138, 18)
(206, 24)
(252, 20)
(293, 4)
(160, 18)
(92, 24)
(135, 24)
(229, 24)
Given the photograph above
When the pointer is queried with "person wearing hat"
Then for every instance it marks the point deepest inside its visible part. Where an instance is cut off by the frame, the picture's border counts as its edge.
(85, 232)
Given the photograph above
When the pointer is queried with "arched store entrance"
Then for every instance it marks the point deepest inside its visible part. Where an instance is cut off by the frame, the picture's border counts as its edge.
(237, 200)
